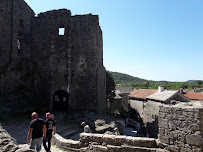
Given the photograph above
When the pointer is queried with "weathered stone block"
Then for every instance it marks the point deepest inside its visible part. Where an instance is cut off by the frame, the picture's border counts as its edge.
(164, 139)
(97, 138)
(119, 140)
(112, 148)
(127, 148)
(194, 140)
(197, 149)
(163, 123)
(110, 139)
(86, 137)
(99, 148)
(173, 148)
(73, 143)
(185, 150)
(141, 142)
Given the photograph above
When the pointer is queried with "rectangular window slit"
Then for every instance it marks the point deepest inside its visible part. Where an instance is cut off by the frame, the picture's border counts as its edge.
(62, 31)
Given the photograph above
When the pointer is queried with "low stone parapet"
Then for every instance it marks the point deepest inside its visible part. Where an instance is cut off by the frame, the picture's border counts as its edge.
(119, 140)
(66, 144)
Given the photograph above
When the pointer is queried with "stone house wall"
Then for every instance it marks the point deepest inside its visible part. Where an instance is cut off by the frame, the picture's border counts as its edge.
(139, 107)
(148, 111)
(125, 99)
(116, 104)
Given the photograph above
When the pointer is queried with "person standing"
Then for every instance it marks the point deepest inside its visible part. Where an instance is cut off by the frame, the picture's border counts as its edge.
(50, 125)
(138, 129)
(116, 132)
(37, 130)
(86, 127)
(148, 132)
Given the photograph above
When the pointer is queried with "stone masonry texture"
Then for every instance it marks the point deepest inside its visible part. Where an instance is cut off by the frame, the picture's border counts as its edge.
(180, 127)
(46, 62)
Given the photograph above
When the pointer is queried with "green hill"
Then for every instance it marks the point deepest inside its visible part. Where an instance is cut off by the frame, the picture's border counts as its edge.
(121, 78)
(126, 80)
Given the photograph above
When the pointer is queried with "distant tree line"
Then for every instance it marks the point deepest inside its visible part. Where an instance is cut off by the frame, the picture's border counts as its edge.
(125, 80)
(154, 85)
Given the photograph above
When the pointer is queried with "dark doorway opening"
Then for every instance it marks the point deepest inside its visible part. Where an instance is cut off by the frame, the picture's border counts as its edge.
(60, 100)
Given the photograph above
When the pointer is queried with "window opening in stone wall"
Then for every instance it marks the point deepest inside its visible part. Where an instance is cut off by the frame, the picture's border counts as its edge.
(19, 43)
(21, 23)
(62, 31)
(18, 46)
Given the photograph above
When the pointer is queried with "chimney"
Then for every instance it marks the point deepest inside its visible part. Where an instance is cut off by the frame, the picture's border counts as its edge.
(181, 90)
(160, 88)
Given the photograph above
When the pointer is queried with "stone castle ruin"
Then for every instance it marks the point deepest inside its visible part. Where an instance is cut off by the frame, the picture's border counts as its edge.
(51, 60)
(180, 130)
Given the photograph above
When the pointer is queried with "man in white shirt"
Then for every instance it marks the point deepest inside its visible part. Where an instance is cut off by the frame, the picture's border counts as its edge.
(86, 127)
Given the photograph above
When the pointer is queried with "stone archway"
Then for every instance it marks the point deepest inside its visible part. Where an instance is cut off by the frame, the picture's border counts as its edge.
(60, 100)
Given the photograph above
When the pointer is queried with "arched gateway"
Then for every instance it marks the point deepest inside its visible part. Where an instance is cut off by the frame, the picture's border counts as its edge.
(60, 100)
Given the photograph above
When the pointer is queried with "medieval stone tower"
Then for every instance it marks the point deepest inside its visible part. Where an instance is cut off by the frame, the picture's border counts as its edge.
(54, 58)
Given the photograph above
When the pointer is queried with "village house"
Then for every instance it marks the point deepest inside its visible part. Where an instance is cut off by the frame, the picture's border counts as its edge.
(120, 101)
(147, 102)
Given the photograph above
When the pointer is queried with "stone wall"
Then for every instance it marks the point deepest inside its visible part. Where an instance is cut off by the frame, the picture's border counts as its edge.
(52, 51)
(5, 31)
(87, 71)
(139, 107)
(15, 19)
(181, 127)
(148, 111)
(116, 105)
(16, 74)
(9, 144)
(72, 61)
(125, 99)
(109, 143)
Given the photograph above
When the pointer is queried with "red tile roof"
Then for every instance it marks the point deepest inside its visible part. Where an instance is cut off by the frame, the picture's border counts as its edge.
(142, 93)
(194, 96)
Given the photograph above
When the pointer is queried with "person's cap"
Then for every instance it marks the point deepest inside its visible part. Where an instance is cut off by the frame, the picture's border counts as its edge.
(82, 123)
(116, 128)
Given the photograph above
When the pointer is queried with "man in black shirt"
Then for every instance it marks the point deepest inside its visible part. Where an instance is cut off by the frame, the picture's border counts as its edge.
(37, 130)
(50, 124)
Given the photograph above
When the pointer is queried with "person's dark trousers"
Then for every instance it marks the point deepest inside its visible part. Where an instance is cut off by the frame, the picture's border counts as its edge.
(47, 139)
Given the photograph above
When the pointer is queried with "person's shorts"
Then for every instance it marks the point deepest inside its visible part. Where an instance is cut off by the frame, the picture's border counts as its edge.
(36, 143)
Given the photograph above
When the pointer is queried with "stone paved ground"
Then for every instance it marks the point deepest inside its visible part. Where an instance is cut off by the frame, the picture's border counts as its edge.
(53, 148)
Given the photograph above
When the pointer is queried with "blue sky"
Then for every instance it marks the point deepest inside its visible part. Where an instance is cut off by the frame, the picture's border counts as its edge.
(150, 39)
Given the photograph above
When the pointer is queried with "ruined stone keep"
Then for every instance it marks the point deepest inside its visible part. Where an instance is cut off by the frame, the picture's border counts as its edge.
(54, 58)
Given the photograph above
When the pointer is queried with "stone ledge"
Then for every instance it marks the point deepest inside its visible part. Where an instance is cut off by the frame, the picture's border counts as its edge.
(65, 143)
(119, 140)
(141, 142)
